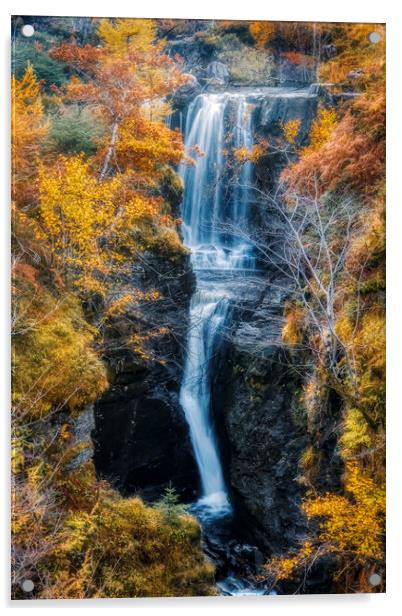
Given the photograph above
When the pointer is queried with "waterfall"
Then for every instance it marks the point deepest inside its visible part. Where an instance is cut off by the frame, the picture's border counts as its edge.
(215, 216)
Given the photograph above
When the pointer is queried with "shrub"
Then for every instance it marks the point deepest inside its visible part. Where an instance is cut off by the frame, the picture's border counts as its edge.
(248, 64)
(75, 131)
(124, 549)
(54, 364)
(46, 69)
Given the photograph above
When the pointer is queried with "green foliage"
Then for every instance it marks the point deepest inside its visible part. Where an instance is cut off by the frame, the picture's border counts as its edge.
(46, 69)
(172, 188)
(298, 411)
(170, 506)
(248, 64)
(356, 434)
(74, 131)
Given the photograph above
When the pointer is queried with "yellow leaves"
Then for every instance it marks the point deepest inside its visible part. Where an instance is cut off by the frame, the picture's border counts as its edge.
(321, 129)
(147, 144)
(253, 154)
(241, 154)
(17, 455)
(120, 305)
(91, 225)
(355, 434)
(53, 362)
(282, 568)
(137, 342)
(292, 330)
(65, 433)
(291, 130)
(365, 341)
(354, 524)
(120, 35)
(77, 212)
(350, 526)
(152, 556)
(356, 54)
(261, 31)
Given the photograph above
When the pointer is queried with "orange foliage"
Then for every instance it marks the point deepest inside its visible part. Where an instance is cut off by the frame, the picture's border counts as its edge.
(357, 55)
(261, 31)
(28, 129)
(130, 74)
(298, 58)
(291, 130)
(350, 526)
(349, 156)
(292, 330)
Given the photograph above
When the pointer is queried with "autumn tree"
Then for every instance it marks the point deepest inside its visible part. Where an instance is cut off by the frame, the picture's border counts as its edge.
(28, 129)
(123, 83)
(348, 527)
(129, 78)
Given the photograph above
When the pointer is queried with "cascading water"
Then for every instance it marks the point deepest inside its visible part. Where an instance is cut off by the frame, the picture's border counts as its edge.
(213, 219)
(216, 221)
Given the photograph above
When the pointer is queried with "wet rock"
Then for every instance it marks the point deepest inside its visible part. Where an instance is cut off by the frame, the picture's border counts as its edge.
(292, 73)
(253, 395)
(280, 109)
(217, 73)
(81, 429)
(185, 94)
(329, 51)
(141, 437)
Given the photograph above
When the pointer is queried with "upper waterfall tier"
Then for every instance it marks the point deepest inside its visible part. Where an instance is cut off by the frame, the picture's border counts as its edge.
(216, 206)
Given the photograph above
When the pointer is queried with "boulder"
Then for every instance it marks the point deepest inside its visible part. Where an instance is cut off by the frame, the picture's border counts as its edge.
(185, 93)
(217, 73)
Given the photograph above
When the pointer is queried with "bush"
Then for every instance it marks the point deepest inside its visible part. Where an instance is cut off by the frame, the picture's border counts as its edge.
(75, 131)
(248, 65)
(54, 364)
(46, 69)
(123, 548)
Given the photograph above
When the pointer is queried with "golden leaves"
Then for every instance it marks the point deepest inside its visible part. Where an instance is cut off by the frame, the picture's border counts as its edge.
(291, 130)
(355, 523)
(350, 526)
(120, 35)
(261, 31)
(321, 129)
(252, 154)
(28, 129)
(292, 330)
(91, 224)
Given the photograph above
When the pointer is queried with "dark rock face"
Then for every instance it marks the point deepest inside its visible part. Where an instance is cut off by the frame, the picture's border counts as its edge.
(185, 94)
(141, 437)
(291, 73)
(253, 395)
(217, 73)
(277, 110)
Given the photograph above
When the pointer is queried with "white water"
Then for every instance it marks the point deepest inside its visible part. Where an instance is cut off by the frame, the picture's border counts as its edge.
(213, 221)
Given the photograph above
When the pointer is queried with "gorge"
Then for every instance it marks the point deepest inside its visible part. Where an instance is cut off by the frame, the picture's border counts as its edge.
(247, 495)
(198, 308)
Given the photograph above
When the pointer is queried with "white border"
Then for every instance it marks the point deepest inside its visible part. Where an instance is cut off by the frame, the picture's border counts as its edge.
(292, 10)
